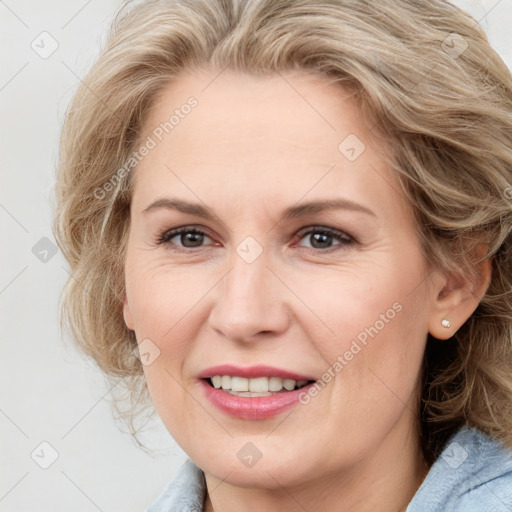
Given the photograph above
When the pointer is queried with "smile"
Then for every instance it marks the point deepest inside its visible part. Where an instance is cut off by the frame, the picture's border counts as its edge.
(259, 386)
(254, 393)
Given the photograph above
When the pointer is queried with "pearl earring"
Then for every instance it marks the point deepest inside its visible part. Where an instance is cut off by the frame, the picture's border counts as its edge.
(446, 323)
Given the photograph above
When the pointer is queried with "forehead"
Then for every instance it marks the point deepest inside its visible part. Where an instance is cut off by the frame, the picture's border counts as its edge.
(302, 110)
(283, 134)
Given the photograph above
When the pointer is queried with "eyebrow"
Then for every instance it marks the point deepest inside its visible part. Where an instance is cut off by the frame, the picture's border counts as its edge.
(308, 208)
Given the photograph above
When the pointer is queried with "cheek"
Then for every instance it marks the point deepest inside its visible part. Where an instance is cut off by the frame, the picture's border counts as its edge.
(370, 325)
(163, 296)
(161, 301)
(358, 302)
(165, 304)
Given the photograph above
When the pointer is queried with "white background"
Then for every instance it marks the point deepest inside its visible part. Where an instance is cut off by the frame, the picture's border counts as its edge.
(49, 392)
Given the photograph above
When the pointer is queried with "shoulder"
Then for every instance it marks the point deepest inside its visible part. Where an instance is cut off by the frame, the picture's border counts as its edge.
(473, 473)
(185, 493)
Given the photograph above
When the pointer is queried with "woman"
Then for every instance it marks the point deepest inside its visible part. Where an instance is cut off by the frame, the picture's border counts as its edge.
(297, 215)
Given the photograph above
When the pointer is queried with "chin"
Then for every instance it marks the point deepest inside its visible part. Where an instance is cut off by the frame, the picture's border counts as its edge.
(270, 471)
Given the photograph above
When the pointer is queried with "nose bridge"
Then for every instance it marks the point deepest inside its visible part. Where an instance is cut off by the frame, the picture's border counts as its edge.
(249, 299)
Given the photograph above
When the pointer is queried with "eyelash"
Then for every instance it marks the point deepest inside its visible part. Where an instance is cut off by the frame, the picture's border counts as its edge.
(340, 236)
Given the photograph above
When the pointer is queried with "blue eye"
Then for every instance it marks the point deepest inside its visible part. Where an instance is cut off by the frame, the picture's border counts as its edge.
(321, 238)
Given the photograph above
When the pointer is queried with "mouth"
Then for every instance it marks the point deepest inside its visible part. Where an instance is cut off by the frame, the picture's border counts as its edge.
(253, 393)
(255, 387)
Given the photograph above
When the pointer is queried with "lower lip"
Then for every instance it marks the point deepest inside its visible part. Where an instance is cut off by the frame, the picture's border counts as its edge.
(252, 408)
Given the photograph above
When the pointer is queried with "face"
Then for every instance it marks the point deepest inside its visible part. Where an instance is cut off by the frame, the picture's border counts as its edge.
(236, 267)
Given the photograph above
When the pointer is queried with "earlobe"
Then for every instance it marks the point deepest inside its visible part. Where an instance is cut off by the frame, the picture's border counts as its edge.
(127, 314)
(456, 297)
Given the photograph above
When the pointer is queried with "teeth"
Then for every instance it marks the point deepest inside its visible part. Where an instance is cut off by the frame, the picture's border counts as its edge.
(260, 386)
(275, 384)
(240, 384)
(248, 394)
(226, 382)
(288, 384)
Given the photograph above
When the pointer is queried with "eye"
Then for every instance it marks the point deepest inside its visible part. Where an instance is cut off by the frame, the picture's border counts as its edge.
(322, 238)
(188, 237)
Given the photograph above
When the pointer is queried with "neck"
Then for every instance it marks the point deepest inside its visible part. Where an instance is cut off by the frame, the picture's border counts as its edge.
(385, 480)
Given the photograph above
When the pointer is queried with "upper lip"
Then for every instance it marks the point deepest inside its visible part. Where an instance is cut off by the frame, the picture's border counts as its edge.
(250, 372)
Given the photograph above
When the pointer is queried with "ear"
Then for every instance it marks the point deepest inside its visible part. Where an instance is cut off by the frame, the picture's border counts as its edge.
(456, 295)
(127, 314)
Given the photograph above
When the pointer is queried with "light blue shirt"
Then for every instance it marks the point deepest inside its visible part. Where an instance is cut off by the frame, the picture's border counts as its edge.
(472, 474)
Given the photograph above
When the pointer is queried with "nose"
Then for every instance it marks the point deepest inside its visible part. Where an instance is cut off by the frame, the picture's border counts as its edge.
(250, 302)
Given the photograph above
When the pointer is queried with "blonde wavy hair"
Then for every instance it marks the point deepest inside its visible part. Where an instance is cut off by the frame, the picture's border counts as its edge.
(437, 92)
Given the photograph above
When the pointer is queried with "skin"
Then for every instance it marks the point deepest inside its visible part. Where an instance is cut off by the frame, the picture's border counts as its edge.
(253, 147)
